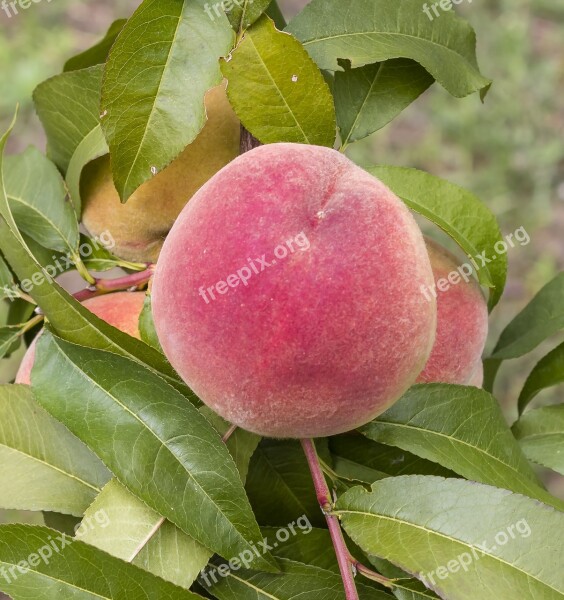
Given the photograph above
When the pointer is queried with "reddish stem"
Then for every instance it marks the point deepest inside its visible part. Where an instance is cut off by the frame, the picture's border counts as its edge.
(103, 286)
(324, 498)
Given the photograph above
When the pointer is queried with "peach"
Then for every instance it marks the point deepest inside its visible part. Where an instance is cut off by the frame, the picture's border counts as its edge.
(288, 293)
(462, 321)
(139, 226)
(121, 310)
(477, 379)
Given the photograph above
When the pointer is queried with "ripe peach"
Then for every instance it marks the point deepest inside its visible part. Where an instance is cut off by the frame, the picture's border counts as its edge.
(477, 379)
(139, 226)
(287, 294)
(121, 310)
(462, 322)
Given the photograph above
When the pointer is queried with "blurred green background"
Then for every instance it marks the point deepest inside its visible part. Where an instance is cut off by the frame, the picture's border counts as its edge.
(509, 150)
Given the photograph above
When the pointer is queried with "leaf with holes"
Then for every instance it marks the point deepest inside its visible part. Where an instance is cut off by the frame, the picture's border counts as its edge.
(277, 90)
(369, 31)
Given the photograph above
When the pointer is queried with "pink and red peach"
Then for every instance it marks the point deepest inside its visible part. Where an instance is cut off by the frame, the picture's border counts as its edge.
(121, 310)
(288, 293)
(462, 324)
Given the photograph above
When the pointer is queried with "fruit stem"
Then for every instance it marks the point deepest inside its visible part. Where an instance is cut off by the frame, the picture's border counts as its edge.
(82, 270)
(370, 574)
(324, 498)
(104, 286)
(229, 433)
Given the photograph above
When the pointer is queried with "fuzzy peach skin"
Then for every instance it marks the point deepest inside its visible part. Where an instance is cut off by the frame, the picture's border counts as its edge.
(139, 226)
(462, 324)
(121, 310)
(477, 379)
(329, 336)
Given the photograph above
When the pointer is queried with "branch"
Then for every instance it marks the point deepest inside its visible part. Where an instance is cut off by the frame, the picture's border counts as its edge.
(104, 286)
(324, 499)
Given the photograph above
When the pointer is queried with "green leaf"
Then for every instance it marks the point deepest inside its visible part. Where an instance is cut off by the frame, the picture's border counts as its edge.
(541, 435)
(459, 213)
(179, 467)
(308, 545)
(277, 90)
(370, 31)
(9, 339)
(406, 587)
(541, 318)
(510, 545)
(37, 197)
(125, 527)
(241, 444)
(69, 108)
(314, 547)
(369, 97)
(44, 467)
(463, 429)
(69, 318)
(92, 146)
(98, 53)
(296, 582)
(62, 569)
(169, 49)
(147, 325)
(357, 457)
(548, 372)
(6, 275)
(96, 257)
(135, 533)
(274, 12)
(244, 13)
(279, 484)
(63, 523)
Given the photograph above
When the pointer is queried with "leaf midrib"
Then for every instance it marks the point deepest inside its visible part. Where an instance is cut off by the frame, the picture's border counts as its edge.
(162, 443)
(364, 102)
(49, 465)
(450, 539)
(393, 33)
(454, 440)
(43, 216)
(154, 103)
(283, 98)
